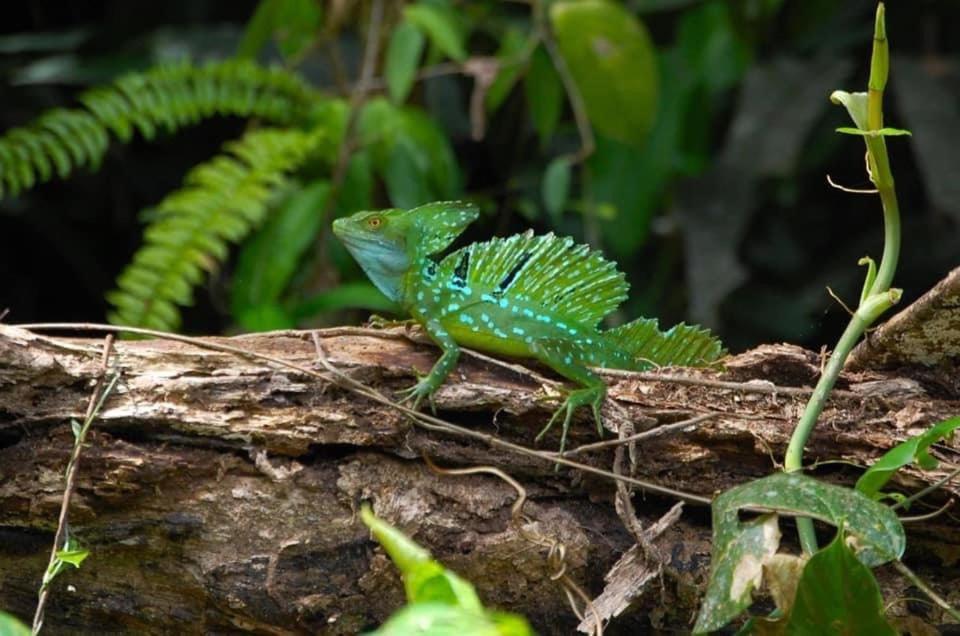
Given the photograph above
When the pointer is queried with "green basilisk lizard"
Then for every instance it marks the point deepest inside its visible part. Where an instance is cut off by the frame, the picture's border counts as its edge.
(525, 296)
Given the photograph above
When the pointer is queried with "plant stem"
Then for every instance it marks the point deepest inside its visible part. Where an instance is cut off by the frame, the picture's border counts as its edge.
(97, 398)
(879, 297)
(869, 311)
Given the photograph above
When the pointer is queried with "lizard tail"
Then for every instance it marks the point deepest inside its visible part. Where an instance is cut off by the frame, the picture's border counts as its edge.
(681, 345)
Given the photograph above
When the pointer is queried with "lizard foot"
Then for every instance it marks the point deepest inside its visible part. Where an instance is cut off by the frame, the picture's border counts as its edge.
(376, 321)
(576, 398)
(414, 395)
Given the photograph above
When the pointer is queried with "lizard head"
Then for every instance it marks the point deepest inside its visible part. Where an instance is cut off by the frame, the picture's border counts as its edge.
(387, 243)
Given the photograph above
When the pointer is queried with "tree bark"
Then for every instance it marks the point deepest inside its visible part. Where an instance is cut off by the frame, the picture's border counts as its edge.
(219, 493)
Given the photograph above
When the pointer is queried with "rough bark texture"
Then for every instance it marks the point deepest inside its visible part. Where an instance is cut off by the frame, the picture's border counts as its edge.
(219, 494)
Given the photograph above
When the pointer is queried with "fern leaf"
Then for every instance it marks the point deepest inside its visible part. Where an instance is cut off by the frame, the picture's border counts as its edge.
(165, 98)
(221, 202)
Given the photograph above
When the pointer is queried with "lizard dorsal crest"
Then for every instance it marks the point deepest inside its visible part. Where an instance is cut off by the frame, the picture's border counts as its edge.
(439, 224)
(568, 280)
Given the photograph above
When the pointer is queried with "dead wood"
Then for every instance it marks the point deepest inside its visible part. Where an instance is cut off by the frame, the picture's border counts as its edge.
(219, 493)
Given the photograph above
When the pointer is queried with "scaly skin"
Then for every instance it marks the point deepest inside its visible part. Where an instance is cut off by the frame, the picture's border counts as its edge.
(526, 296)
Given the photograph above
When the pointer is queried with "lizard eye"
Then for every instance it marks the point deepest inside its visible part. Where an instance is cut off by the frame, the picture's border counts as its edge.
(374, 222)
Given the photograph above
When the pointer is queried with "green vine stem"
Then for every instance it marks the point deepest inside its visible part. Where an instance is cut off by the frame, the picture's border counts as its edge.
(878, 297)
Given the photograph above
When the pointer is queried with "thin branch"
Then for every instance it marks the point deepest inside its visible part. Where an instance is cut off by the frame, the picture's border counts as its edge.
(746, 387)
(588, 142)
(930, 515)
(654, 432)
(926, 491)
(923, 587)
(94, 404)
(357, 98)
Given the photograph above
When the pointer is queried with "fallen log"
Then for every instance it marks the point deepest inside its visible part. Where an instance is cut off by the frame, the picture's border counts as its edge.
(219, 492)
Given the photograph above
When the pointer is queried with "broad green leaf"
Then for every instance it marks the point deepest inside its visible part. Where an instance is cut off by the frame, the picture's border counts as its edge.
(839, 595)
(439, 23)
(434, 153)
(356, 193)
(556, 186)
(613, 63)
(737, 569)
(882, 132)
(544, 94)
(10, 625)
(439, 619)
(876, 526)
(270, 257)
(915, 449)
(511, 46)
(856, 105)
(426, 154)
(403, 56)
(877, 529)
(405, 176)
(346, 296)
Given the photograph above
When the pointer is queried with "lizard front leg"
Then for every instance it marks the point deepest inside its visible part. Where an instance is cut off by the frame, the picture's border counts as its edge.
(441, 369)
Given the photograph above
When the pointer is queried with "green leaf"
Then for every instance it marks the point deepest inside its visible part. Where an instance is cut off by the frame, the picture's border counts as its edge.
(74, 556)
(544, 94)
(345, 296)
(356, 193)
(424, 579)
(613, 63)
(440, 619)
(411, 152)
(440, 24)
(882, 132)
(915, 449)
(405, 177)
(76, 428)
(876, 527)
(838, 594)
(856, 105)
(556, 186)
(403, 56)
(10, 625)
(737, 570)
(259, 29)
(294, 24)
(270, 257)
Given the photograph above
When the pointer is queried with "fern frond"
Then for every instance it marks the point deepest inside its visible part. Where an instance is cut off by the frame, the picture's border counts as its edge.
(164, 98)
(221, 202)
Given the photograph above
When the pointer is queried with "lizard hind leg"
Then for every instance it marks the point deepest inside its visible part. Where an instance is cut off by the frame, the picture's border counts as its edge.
(562, 358)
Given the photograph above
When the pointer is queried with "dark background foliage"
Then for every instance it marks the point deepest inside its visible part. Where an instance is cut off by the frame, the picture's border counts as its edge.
(722, 217)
